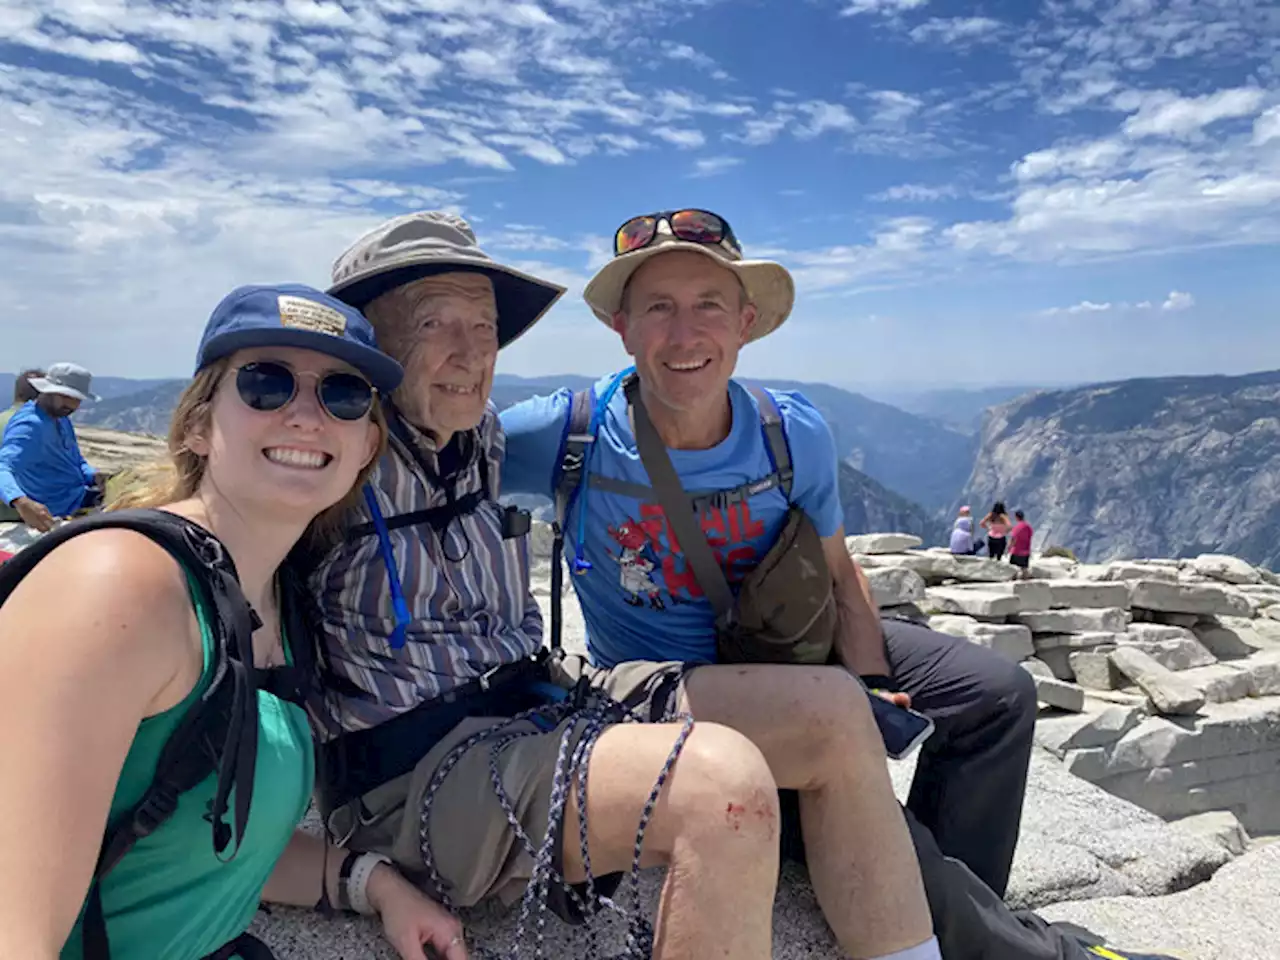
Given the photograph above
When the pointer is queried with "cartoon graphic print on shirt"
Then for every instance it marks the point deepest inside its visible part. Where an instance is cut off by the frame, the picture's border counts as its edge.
(730, 532)
(634, 566)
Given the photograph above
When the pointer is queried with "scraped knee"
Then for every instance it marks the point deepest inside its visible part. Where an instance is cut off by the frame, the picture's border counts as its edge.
(726, 794)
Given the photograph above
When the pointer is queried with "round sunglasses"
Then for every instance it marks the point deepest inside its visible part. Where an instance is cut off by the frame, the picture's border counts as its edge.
(266, 385)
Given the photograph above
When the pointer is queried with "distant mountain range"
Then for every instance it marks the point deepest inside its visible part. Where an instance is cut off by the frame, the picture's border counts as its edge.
(959, 407)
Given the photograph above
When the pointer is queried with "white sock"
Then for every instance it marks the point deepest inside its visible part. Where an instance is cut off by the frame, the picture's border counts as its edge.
(928, 950)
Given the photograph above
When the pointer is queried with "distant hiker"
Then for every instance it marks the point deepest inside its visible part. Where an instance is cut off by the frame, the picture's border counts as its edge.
(435, 643)
(962, 534)
(997, 524)
(148, 638)
(1020, 545)
(43, 475)
(23, 392)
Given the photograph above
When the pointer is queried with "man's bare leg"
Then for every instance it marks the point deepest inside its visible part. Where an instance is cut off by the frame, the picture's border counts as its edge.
(715, 826)
(815, 729)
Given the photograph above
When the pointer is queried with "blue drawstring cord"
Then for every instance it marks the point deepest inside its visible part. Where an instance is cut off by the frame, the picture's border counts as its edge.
(393, 572)
(580, 564)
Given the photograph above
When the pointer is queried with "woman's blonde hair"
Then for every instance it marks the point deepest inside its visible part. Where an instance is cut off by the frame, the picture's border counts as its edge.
(178, 476)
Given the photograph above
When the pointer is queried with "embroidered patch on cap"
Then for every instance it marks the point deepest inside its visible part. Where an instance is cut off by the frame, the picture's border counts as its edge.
(304, 314)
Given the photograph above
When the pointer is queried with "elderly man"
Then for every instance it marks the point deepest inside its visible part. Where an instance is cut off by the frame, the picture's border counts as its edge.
(43, 475)
(432, 642)
(684, 301)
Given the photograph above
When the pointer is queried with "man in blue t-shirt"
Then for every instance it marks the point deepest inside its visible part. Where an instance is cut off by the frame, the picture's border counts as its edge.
(43, 475)
(684, 301)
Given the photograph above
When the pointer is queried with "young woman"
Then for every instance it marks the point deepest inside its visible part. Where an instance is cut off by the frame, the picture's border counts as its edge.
(105, 646)
(997, 524)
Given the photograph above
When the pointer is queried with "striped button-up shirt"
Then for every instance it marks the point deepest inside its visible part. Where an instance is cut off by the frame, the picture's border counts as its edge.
(467, 588)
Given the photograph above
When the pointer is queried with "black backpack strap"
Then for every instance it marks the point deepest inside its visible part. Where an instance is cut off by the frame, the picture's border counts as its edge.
(438, 518)
(775, 438)
(211, 736)
(574, 450)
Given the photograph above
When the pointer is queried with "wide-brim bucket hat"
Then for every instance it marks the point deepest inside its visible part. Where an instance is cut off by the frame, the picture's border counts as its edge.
(431, 242)
(768, 285)
(67, 380)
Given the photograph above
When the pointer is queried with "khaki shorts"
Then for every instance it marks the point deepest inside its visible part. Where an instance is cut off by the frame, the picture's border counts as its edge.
(476, 850)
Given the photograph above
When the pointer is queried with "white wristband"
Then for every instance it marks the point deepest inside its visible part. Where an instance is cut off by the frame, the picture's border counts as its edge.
(358, 883)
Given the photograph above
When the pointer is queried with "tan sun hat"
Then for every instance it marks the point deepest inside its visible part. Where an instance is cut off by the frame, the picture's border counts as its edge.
(429, 242)
(769, 286)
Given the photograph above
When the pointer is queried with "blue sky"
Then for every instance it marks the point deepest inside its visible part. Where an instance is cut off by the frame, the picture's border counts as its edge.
(966, 192)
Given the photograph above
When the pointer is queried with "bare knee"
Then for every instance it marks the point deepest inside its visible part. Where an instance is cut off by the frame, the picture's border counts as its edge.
(723, 790)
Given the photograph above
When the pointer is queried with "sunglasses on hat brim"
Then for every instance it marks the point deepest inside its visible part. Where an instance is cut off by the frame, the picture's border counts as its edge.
(266, 385)
(690, 224)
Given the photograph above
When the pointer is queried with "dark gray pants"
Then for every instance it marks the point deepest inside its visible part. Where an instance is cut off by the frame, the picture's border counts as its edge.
(972, 773)
(965, 806)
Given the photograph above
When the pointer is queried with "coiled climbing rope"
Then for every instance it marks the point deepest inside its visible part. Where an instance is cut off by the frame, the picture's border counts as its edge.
(593, 713)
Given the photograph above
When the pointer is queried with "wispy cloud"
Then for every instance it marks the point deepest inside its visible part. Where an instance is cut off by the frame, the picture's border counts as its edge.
(1163, 113)
(713, 166)
(955, 31)
(687, 139)
(1083, 307)
(1177, 301)
(682, 52)
(916, 193)
(854, 8)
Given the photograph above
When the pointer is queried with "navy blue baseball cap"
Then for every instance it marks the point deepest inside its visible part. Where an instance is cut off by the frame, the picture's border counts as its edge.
(295, 315)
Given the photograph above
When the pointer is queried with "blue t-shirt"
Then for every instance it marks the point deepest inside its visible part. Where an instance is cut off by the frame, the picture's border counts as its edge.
(40, 459)
(640, 599)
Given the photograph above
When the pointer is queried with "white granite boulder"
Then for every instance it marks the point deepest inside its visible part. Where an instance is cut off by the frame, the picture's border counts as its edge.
(875, 544)
(1219, 566)
(1187, 598)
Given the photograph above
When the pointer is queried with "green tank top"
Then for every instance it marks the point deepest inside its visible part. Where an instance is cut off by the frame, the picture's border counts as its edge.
(170, 897)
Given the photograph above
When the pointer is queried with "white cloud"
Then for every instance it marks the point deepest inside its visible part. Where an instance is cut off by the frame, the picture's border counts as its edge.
(1164, 113)
(311, 13)
(855, 7)
(682, 52)
(532, 147)
(762, 131)
(916, 193)
(894, 106)
(481, 64)
(821, 117)
(713, 166)
(954, 31)
(685, 139)
(1121, 194)
(1176, 302)
(1083, 307)
(1267, 127)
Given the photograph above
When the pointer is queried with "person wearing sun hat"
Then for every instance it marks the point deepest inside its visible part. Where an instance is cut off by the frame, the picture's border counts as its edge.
(43, 474)
(685, 299)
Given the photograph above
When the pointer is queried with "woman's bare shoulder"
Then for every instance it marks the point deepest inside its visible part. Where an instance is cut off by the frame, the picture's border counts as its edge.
(112, 598)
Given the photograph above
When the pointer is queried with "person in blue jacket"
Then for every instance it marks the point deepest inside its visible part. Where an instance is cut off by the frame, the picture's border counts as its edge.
(43, 474)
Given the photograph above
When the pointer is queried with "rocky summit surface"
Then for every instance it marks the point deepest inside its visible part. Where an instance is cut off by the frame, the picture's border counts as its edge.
(1170, 467)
